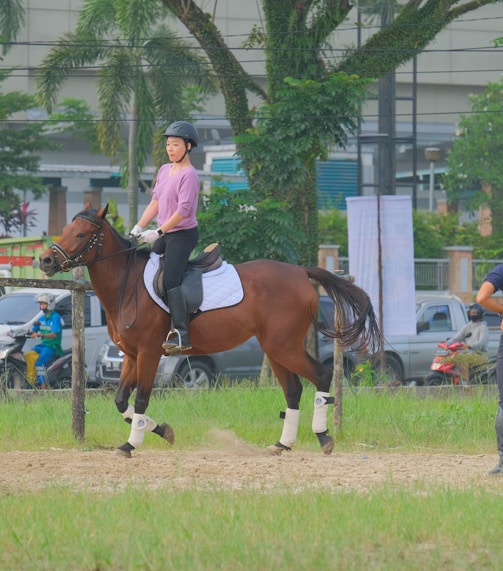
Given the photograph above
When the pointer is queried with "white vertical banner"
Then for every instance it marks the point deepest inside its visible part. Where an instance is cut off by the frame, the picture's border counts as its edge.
(397, 257)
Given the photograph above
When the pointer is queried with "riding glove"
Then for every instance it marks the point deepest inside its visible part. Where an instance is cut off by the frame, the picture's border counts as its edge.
(136, 231)
(149, 236)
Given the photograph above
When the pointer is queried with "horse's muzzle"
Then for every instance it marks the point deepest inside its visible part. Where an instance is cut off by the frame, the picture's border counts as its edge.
(48, 263)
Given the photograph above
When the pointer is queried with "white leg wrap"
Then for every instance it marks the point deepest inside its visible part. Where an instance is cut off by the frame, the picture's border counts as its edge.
(128, 413)
(290, 427)
(141, 424)
(151, 424)
(320, 412)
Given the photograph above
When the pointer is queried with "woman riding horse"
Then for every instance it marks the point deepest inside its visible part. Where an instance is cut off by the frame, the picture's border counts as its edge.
(278, 307)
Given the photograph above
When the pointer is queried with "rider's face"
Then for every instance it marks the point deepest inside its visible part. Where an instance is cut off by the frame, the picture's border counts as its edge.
(175, 147)
(43, 306)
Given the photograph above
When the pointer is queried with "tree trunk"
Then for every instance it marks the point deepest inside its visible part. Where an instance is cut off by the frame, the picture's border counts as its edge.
(133, 179)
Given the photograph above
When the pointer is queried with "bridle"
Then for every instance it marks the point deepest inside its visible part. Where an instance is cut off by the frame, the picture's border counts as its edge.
(96, 240)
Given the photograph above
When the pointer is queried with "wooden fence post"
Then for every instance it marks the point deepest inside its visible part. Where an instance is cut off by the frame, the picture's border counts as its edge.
(78, 358)
(338, 373)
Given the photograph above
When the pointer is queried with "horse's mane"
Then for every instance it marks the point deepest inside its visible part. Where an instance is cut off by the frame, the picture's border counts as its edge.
(91, 215)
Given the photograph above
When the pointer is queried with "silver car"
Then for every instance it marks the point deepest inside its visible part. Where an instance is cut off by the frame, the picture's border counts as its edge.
(205, 371)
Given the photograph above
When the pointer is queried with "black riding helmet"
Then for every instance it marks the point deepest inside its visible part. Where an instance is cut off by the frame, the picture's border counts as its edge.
(476, 312)
(184, 130)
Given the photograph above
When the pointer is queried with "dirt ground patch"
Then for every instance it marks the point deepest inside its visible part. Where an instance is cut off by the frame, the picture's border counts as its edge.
(233, 465)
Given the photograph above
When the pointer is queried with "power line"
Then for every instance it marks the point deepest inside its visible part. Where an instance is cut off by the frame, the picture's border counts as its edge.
(365, 116)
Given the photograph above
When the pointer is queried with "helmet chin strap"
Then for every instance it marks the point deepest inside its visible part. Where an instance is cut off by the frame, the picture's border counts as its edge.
(184, 154)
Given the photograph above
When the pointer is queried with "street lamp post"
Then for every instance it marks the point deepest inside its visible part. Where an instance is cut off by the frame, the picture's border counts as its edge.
(432, 154)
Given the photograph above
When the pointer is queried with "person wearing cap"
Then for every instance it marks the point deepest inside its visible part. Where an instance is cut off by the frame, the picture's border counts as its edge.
(49, 330)
(174, 204)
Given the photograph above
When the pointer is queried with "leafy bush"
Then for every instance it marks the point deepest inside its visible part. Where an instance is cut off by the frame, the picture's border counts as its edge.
(432, 233)
(249, 228)
(333, 229)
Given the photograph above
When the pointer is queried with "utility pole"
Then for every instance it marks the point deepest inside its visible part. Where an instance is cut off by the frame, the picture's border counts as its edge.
(386, 162)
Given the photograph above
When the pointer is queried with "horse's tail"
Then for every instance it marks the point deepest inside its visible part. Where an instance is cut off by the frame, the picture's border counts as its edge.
(355, 319)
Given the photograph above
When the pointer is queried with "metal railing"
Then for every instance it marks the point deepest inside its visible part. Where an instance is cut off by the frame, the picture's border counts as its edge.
(433, 273)
(480, 269)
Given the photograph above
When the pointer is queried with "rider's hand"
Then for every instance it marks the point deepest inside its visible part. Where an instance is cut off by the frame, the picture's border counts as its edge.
(136, 230)
(149, 236)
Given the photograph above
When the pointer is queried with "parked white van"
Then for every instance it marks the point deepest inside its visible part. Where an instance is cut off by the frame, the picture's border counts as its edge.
(19, 310)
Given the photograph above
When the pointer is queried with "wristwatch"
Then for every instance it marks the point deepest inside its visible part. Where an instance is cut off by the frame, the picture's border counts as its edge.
(160, 232)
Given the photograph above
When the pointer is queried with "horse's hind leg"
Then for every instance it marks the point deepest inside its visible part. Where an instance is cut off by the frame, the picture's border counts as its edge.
(321, 377)
(319, 425)
(292, 389)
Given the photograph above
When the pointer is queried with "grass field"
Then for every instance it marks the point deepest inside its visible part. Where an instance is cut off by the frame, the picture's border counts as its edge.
(423, 524)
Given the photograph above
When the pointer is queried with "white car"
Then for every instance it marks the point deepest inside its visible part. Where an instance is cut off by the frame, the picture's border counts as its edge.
(19, 310)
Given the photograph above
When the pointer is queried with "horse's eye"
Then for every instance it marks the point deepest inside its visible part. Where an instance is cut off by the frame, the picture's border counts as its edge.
(81, 235)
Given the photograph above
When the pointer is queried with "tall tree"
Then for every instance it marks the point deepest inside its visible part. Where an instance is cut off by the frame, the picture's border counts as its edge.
(147, 77)
(474, 163)
(19, 162)
(295, 41)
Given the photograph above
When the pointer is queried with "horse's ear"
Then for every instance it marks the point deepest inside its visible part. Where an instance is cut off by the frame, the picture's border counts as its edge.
(102, 212)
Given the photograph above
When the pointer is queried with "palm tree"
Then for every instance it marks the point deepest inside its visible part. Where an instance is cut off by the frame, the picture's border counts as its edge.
(147, 77)
(12, 13)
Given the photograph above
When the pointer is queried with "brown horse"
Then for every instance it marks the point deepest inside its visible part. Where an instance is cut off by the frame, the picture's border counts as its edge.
(278, 307)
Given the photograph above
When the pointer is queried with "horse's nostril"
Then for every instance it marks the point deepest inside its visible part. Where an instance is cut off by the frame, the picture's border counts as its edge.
(45, 261)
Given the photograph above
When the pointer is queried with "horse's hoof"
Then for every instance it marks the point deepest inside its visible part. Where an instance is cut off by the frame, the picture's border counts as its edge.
(124, 451)
(167, 433)
(277, 449)
(326, 442)
(328, 446)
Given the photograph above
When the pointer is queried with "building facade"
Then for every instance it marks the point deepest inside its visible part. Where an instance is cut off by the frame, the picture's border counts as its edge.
(431, 92)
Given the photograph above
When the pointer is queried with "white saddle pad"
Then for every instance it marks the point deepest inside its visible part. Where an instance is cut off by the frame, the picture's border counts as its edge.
(221, 287)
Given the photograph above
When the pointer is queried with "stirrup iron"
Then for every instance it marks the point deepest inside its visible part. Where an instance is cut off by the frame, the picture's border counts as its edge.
(172, 348)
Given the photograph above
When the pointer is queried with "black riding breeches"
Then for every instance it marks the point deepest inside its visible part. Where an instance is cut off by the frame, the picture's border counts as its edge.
(177, 247)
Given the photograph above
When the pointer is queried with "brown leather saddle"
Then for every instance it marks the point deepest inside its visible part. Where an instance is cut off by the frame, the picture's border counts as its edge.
(192, 283)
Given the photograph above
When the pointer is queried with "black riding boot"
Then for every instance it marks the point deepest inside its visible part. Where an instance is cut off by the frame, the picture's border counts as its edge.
(179, 323)
(498, 470)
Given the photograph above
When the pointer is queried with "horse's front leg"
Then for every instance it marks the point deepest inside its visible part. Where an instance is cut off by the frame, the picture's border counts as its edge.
(140, 422)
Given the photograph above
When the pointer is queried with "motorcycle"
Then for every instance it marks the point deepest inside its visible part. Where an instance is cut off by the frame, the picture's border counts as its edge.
(445, 370)
(13, 365)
